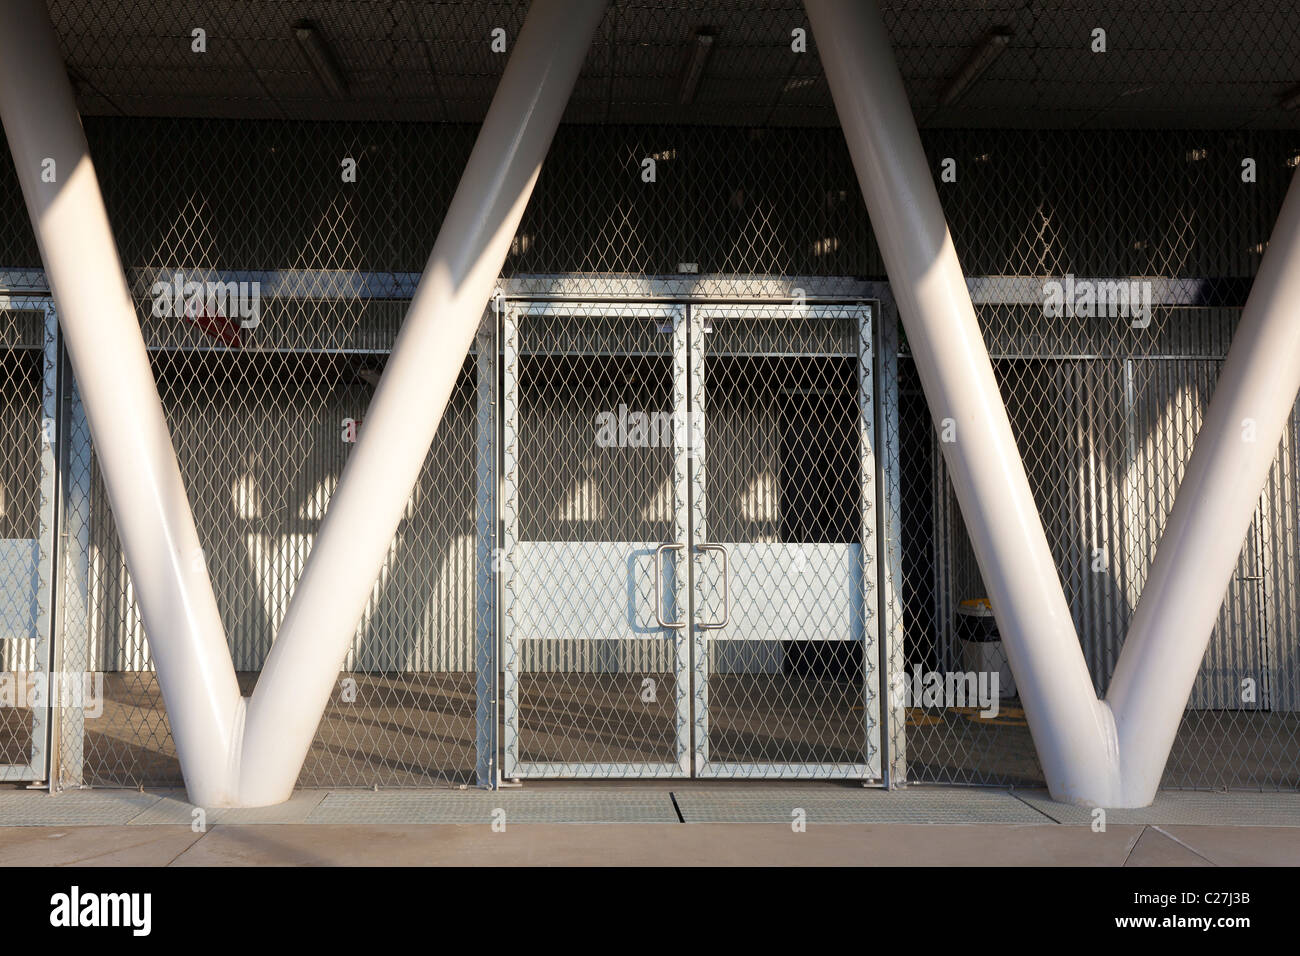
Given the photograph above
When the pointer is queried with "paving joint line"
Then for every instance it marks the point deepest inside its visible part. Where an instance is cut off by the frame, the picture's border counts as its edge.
(1134, 845)
(1159, 828)
(1039, 810)
(158, 798)
(672, 795)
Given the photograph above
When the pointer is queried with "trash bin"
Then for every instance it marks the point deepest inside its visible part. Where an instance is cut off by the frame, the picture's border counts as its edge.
(981, 644)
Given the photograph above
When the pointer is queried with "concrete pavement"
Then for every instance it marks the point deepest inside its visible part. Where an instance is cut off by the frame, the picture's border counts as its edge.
(816, 825)
(653, 844)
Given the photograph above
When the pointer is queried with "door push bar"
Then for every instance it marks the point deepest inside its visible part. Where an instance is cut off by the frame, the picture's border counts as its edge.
(659, 588)
(726, 588)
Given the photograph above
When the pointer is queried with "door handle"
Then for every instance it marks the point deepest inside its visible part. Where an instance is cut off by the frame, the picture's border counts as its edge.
(659, 588)
(726, 589)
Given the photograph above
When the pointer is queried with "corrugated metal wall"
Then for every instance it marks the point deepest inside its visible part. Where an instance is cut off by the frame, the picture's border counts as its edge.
(1281, 566)
(1105, 438)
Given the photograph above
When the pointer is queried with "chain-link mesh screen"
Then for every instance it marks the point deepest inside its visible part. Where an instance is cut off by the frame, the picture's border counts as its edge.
(785, 670)
(1162, 159)
(594, 481)
(262, 435)
(22, 387)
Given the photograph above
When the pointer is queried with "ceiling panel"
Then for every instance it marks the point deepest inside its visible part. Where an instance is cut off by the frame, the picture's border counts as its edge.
(1170, 64)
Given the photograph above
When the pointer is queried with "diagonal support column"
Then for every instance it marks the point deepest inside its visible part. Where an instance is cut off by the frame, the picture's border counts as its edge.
(404, 413)
(1073, 732)
(1103, 753)
(1216, 503)
(235, 752)
(122, 406)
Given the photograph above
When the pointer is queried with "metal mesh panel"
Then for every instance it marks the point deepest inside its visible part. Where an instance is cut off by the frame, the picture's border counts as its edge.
(786, 670)
(262, 435)
(610, 510)
(1105, 429)
(229, 167)
(594, 480)
(23, 575)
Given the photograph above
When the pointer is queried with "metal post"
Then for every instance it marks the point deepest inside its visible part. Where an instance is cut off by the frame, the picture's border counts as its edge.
(444, 316)
(874, 549)
(47, 552)
(486, 563)
(72, 647)
(103, 340)
(511, 649)
(893, 710)
(1072, 730)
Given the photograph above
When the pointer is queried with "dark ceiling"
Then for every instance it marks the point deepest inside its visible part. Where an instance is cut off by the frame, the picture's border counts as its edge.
(1224, 64)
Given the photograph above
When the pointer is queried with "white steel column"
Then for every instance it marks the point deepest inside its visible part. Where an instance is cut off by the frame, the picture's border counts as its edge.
(1102, 753)
(1073, 732)
(122, 405)
(1216, 502)
(403, 417)
(232, 751)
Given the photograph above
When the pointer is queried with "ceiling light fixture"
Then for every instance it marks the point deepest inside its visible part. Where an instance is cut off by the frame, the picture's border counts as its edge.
(703, 46)
(990, 47)
(321, 57)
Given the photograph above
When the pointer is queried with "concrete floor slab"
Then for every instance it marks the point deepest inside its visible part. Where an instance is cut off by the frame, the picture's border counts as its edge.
(1158, 849)
(94, 845)
(1241, 809)
(670, 845)
(1241, 846)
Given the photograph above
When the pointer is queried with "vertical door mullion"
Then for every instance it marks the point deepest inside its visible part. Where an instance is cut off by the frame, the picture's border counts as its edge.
(509, 530)
(685, 379)
(694, 418)
(870, 618)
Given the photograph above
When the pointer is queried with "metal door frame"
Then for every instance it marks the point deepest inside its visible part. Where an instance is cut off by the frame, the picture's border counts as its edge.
(512, 765)
(873, 682)
(691, 665)
(38, 764)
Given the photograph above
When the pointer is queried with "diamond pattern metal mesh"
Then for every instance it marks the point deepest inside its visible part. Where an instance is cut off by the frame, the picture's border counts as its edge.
(784, 477)
(594, 481)
(262, 436)
(1112, 166)
(22, 585)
